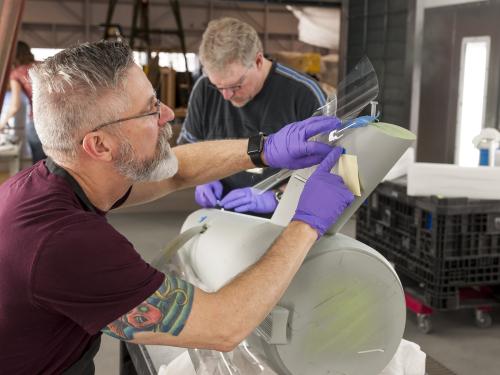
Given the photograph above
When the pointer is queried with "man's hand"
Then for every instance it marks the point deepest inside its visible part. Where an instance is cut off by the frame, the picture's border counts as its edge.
(207, 195)
(289, 147)
(324, 197)
(250, 200)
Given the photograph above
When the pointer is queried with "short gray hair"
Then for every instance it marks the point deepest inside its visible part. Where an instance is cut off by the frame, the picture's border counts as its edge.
(226, 41)
(77, 89)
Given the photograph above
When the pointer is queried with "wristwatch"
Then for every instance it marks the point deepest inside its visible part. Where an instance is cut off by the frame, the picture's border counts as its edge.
(254, 149)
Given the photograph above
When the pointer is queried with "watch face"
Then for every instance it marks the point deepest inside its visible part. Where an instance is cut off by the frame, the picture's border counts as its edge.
(255, 144)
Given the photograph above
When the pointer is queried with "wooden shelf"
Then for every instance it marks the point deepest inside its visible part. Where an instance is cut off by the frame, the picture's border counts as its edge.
(180, 112)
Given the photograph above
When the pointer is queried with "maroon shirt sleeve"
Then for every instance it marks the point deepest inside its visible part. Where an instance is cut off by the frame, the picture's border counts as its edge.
(90, 273)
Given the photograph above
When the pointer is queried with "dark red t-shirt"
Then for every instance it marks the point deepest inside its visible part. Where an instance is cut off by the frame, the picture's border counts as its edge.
(65, 273)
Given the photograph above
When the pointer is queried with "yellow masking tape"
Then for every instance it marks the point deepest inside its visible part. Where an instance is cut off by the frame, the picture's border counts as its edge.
(347, 168)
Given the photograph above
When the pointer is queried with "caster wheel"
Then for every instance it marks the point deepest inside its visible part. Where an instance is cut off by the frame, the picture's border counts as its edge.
(424, 323)
(483, 319)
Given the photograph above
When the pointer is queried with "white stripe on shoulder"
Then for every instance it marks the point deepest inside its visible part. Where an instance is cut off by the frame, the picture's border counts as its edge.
(308, 82)
(187, 136)
(196, 84)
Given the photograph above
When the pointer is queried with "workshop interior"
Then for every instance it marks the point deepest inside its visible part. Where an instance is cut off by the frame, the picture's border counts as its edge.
(407, 280)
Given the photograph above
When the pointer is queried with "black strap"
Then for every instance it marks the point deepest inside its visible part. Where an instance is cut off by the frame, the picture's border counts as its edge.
(85, 365)
(254, 149)
(82, 197)
(59, 171)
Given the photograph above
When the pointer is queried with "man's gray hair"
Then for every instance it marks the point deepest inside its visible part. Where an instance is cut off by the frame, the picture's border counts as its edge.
(226, 41)
(76, 90)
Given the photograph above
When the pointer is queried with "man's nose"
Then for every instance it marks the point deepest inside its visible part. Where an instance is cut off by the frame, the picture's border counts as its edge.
(166, 114)
(227, 93)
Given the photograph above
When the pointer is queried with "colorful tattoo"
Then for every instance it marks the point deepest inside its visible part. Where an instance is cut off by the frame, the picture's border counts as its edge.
(165, 311)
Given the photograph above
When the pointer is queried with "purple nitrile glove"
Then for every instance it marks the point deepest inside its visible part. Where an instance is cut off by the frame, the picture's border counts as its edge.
(207, 195)
(289, 147)
(250, 200)
(324, 197)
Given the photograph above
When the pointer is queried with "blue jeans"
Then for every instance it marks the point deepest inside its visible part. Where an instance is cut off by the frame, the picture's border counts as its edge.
(34, 142)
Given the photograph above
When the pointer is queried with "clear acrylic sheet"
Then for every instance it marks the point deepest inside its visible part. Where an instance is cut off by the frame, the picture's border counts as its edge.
(240, 361)
(243, 360)
(356, 91)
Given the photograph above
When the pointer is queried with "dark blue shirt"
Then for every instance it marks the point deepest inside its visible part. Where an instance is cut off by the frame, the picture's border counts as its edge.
(286, 96)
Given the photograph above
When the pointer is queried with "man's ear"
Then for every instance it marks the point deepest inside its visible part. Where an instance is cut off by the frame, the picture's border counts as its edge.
(98, 145)
(259, 60)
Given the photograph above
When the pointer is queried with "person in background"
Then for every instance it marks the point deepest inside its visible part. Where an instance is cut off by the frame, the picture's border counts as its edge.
(243, 93)
(16, 125)
(19, 82)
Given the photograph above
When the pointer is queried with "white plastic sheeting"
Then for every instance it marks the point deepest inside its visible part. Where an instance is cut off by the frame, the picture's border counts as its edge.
(408, 360)
(318, 26)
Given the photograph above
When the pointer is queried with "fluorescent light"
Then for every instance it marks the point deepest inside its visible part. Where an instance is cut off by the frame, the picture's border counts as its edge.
(471, 98)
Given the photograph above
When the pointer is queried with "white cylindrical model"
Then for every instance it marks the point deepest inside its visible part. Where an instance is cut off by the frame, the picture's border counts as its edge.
(343, 313)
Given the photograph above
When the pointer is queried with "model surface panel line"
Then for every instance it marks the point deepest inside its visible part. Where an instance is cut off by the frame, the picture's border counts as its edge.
(349, 295)
(347, 330)
(357, 302)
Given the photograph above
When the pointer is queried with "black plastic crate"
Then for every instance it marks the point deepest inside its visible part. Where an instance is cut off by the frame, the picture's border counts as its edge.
(442, 244)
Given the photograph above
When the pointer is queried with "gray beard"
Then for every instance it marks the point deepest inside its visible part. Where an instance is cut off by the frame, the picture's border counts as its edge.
(162, 165)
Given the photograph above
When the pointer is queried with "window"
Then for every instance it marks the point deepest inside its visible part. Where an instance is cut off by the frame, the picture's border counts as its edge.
(167, 59)
(173, 60)
(42, 53)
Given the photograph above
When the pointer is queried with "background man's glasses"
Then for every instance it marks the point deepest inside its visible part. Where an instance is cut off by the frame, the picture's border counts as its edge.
(233, 88)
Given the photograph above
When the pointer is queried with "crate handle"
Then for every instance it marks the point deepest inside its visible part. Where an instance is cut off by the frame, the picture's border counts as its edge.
(497, 223)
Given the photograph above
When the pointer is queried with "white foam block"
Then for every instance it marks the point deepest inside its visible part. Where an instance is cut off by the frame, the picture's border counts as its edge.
(449, 180)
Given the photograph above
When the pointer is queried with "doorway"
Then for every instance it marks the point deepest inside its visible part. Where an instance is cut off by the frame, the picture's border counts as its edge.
(460, 49)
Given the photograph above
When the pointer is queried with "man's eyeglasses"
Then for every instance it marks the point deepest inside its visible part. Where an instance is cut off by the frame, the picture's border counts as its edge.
(157, 112)
(233, 88)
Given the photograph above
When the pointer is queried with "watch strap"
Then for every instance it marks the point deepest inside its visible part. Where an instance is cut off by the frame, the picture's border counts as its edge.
(254, 150)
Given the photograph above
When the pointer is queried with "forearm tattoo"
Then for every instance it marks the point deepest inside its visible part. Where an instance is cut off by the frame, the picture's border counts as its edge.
(165, 311)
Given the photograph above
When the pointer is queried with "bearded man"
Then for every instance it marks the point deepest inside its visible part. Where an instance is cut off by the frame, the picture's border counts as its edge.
(67, 276)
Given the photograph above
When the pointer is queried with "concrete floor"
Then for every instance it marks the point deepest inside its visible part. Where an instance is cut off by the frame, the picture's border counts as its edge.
(455, 342)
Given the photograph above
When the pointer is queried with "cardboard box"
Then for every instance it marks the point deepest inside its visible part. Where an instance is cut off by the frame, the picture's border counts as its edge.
(168, 86)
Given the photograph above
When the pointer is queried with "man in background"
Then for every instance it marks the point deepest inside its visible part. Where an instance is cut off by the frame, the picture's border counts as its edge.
(243, 93)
